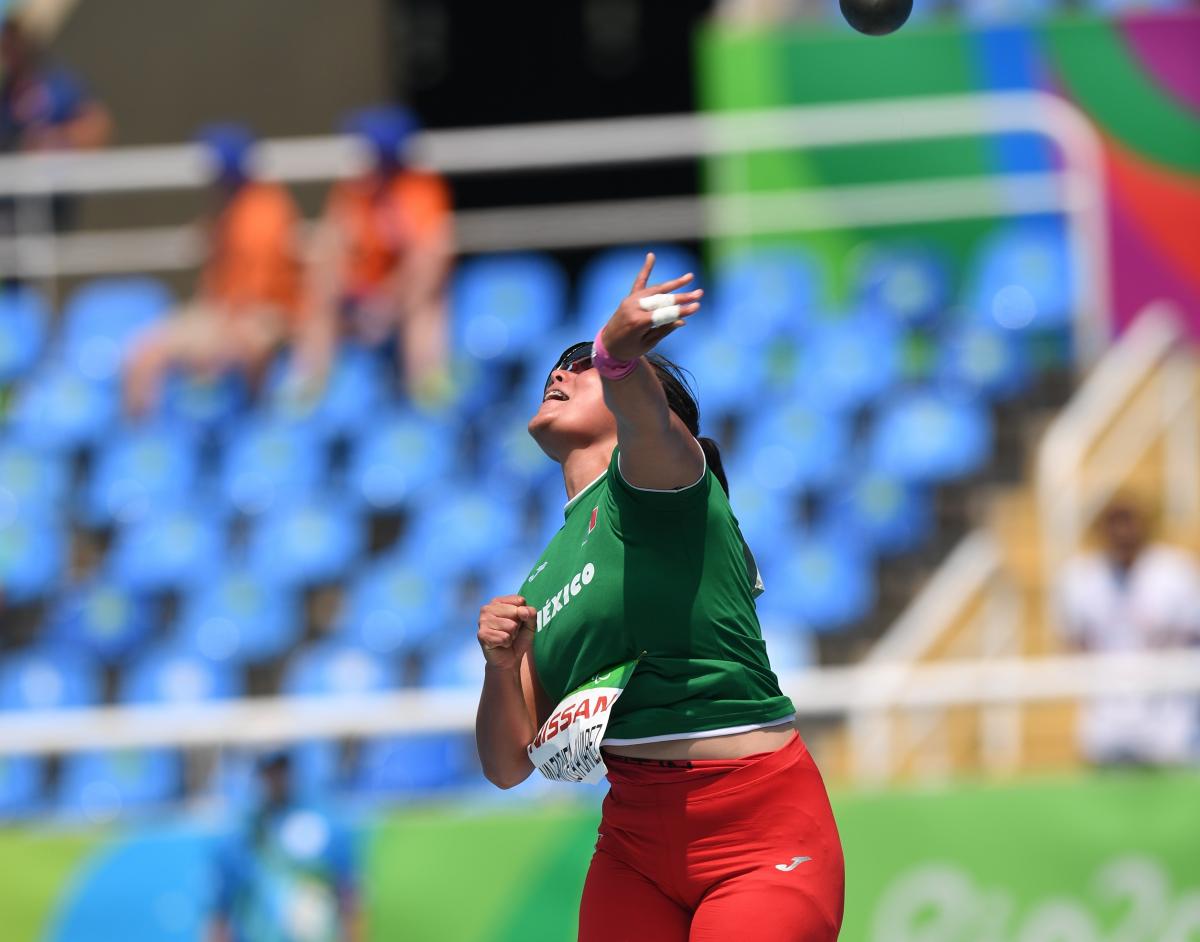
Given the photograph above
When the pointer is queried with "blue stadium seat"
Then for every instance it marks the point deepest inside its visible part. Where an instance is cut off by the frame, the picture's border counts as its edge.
(139, 471)
(608, 277)
(238, 617)
(514, 462)
(23, 328)
(460, 526)
(20, 786)
(503, 304)
(793, 447)
(826, 581)
(507, 573)
(268, 465)
(759, 294)
(316, 770)
(98, 786)
(354, 391)
(727, 377)
(173, 549)
(381, 606)
(1022, 277)
(33, 550)
(31, 478)
(474, 385)
(882, 513)
(58, 408)
(924, 436)
(48, 677)
(790, 645)
(768, 519)
(104, 317)
(908, 281)
(988, 359)
(849, 363)
(338, 668)
(398, 454)
(312, 541)
(455, 665)
(172, 674)
(400, 764)
(102, 618)
(203, 402)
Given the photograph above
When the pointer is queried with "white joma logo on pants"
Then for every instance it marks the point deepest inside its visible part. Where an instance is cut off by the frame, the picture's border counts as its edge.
(796, 862)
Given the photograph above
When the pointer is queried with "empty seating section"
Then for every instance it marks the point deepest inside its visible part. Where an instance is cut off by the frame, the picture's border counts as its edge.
(340, 541)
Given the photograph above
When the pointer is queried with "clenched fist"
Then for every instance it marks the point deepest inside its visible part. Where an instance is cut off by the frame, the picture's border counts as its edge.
(506, 629)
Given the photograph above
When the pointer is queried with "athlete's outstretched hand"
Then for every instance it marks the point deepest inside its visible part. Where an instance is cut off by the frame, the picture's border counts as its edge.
(506, 627)
(632, 331)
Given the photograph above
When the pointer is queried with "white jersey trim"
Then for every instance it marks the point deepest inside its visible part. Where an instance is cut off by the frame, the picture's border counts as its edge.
(727, 731)
(579, 496)
(669, 490)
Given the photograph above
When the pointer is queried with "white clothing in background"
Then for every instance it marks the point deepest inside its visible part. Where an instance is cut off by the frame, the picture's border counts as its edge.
(1155, 605)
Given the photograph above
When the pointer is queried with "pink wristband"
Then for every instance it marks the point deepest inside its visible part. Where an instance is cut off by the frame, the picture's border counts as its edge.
(606, 364)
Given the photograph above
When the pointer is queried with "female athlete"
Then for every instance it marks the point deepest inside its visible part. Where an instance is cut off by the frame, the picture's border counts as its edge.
(716, 825)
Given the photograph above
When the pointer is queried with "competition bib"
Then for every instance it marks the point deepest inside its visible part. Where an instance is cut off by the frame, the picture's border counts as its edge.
(567, 747)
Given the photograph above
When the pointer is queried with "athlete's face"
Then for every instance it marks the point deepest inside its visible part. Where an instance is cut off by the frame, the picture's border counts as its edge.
(572, 413)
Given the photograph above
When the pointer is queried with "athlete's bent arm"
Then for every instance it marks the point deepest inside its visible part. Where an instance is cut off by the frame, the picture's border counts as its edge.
(507, 719)
(657, 450)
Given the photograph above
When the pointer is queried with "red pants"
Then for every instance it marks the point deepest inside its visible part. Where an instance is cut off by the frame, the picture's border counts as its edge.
(741, 850)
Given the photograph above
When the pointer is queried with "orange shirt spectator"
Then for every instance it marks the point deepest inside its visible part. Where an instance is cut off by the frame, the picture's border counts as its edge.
(381, 220)
(247, 303)
(382, 255)
(254, 261)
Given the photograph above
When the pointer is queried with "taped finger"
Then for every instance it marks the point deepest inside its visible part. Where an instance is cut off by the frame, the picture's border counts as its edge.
(665, 315)
(654, 302)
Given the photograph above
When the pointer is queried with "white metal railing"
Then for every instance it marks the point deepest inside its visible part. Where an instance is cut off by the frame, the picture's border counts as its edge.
(972, 574)
(1077, 191)
(831, 690)
(1142, 392)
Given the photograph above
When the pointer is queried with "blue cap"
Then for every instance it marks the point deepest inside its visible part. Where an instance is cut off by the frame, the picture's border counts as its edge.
(387, 130)
(228, 147)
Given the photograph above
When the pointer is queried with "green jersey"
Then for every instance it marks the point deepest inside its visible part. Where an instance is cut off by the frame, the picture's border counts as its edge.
(663, 576)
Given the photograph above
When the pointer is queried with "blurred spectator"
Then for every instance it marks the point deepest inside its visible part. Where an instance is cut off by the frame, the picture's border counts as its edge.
(42, 108)
(247, 302)
(383, 252)
(288, 874)
(1133, 596)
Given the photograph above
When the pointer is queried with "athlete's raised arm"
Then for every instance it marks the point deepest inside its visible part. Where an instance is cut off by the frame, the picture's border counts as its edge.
(657, 450)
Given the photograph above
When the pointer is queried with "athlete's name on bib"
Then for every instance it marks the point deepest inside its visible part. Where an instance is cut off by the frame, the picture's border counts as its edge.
(567, 747)
(578, 759)
(563, 596)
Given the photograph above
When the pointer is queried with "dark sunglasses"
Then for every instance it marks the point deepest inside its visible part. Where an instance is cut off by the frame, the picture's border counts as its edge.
(575, 359)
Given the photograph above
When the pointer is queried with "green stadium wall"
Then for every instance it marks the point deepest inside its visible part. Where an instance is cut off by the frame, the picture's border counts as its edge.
(1093, 859)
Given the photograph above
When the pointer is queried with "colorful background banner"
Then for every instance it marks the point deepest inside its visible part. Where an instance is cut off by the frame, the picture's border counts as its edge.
(1137, 78)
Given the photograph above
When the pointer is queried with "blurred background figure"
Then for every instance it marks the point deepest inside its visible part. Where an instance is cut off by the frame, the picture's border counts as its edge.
(382, 255)
(1133, 595)
(246, 305)
(288, 874)
(43, 107)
